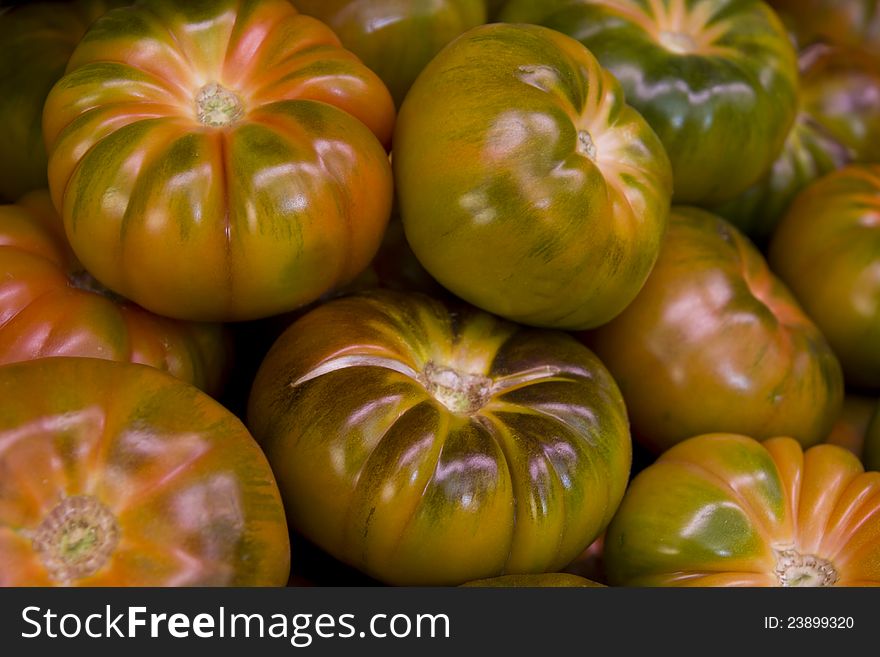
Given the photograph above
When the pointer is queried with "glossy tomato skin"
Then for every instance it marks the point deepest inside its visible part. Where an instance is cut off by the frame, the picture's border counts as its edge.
(433, 447)
(726, 510)
(36, 41)
(219, 161)
(527, 185)
(838, 122)
(854, 23)
(715, 342)
(712, 78)
(50, 306)
(117, 474)
(827, 249)
(396, 38)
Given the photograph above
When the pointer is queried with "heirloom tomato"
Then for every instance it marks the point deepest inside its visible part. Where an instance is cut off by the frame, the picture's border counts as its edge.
(716, 79)
(114, 474)
(726, 510)
(527, 185)
(553, 580)
(827, 249)
(838, 122)
(35, 43)
(396, 38)
(843, 22)
(425, 444)
(51, 306)
(715, 342)
(219, 160)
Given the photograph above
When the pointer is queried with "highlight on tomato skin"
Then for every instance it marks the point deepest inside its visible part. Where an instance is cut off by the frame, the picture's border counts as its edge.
(527, 185)
(219, 161)
(397, 38)
(714, 341)
(727, 510)
(116, 474)
(51, 306)
(838, 122)
(433, 444)
(835, 221)
(717, 80)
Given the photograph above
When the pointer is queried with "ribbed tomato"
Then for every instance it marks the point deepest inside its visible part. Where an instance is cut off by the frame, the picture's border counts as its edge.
(396, 38)
(716, 79)
(827, 249)
(429, 445)
(527, 185)
(715, 342)
(838, 122)
(219, 160)
(726, 510)
(36, 40)
(113, 474)
(51, 306)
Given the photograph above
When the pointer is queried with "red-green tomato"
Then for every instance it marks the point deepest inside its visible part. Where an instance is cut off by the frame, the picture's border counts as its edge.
(527, 185)
(433, 445)
(726, 510)
(114, 474)
(838, 122)
(716, 79)
(714, 342)
(827, 249)
(219, 160)
(51, 306)
(396, 38)
(36, 40)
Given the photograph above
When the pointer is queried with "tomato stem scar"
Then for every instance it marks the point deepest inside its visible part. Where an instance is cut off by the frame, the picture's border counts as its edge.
(217, 106)
(461, 393)
(796, 569)
(586, 145)
(76, 538)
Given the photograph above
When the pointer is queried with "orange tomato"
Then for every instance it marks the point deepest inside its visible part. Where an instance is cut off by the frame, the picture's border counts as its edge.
(219, 161)
(113, 474)
(51, 306)
(715, 342)
(726, 510)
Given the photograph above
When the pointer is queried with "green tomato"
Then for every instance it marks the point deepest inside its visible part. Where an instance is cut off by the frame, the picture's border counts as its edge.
(527, 185)
(717, 80)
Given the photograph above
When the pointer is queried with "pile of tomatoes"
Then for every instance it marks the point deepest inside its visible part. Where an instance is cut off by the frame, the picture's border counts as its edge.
(434, 293)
